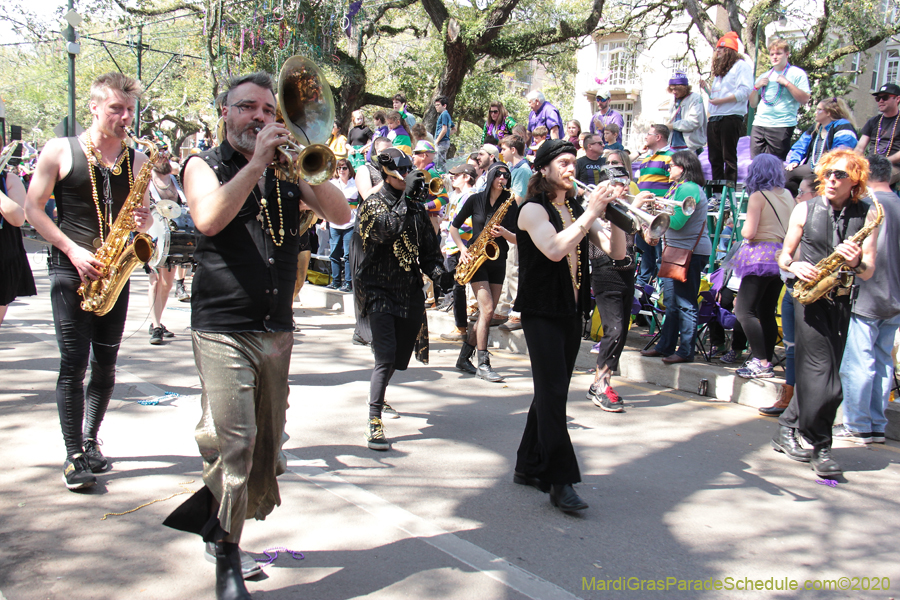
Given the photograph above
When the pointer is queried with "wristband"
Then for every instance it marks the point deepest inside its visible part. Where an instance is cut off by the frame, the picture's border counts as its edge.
(860, 267)
(584, 231)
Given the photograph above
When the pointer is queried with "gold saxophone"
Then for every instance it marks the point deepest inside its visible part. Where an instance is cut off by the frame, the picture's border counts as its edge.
(119, 257)
(484, 247)
(831, 271)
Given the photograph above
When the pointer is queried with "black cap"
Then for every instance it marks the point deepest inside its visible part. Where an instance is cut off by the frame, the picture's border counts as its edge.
(889, 88)
(614, 173)
(550, 150)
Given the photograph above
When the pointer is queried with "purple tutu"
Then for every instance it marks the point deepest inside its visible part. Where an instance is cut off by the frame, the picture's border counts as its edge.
(757, 258)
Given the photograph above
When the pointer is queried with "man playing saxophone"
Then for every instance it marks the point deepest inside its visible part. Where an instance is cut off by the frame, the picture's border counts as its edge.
(90, 176)
(820, 228)
(241, 327)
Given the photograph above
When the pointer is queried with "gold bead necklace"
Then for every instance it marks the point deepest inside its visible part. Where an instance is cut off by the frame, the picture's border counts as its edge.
(576, 276)
(265, 209)
(93, 161)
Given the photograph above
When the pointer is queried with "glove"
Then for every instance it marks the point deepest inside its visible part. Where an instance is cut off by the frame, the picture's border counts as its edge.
(415, 185)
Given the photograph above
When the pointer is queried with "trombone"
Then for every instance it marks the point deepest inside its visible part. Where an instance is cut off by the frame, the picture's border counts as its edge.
(630, 218)
(687, 206)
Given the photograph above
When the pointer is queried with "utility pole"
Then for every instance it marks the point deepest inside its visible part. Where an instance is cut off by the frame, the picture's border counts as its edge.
(137, 106)
(73, 19)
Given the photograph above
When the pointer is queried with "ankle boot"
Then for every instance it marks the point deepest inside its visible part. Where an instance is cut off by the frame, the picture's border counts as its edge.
(823, 464)
(786, 441)
(229, 579)
(484, 368)
(787, 392)
(464, 362)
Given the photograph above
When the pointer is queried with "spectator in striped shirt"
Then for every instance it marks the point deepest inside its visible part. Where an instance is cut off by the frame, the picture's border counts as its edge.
(653, 176)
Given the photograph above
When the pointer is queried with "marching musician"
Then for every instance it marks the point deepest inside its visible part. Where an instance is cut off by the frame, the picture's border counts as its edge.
(398, 246)
(820, 227)
(554, 296)
(487, 281)
(90, 176)
(248, 221)
(163, 186)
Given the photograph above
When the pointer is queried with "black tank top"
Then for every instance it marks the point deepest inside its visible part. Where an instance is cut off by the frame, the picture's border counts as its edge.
(75, 209)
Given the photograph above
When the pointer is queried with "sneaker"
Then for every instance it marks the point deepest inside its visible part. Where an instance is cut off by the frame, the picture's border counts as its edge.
(333, 285)
(877, 437)
(375, 436)
(165, 332)
(595, 349)
(156, 336)
(608, 400)
(840, 432)
(715, 351)
(388, 411)
(457, 335)
(754, 369)
(181, 294)
(731, 357)
(96, 461)
(77, 474)
(513, 324)
(346, 288)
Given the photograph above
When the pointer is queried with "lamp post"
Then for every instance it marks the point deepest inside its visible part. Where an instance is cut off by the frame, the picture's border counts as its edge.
(781, 21)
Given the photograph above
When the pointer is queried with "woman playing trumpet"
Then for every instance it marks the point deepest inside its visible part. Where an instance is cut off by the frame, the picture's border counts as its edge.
(679, 329)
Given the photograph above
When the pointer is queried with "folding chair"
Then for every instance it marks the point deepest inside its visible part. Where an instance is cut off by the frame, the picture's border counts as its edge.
(707, 312)
(648, 296)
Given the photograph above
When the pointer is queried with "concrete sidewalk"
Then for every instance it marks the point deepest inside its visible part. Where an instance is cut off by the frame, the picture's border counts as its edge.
(678, 485)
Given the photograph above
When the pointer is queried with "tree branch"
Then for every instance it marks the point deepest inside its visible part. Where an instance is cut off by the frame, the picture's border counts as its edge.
(155, 12)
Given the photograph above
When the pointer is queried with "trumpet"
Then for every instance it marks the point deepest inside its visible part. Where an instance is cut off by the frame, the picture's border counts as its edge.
(687, 206)
(629, 218)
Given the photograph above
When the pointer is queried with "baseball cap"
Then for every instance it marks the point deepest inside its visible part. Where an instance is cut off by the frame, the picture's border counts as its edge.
(463, 169)
(679, 79)
(491, 149)
(889, 88)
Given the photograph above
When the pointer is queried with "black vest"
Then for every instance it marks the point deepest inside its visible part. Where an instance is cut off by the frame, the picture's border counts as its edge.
(545, 286)
(823, 231)
(243, 281)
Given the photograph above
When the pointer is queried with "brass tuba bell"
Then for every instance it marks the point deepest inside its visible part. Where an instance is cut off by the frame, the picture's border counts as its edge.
(306, 108)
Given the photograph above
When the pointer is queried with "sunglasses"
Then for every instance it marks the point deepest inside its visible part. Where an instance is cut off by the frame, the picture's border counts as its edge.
(614, 164)
(494, 111)
(837, 173)
(343, 168)
(882, 98)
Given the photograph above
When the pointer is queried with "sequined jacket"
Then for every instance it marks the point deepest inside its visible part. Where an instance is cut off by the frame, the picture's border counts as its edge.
(399, 244)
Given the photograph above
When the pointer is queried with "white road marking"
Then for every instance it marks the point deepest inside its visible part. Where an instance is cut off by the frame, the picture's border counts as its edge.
(478, 558)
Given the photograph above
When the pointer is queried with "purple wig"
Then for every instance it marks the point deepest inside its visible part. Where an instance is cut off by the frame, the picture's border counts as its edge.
(766, 172)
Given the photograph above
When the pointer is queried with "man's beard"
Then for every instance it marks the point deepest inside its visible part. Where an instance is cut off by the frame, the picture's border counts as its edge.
(163, 168)
(245, 139)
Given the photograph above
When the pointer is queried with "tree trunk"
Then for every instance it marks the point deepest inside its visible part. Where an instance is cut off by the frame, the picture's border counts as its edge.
(459, 62)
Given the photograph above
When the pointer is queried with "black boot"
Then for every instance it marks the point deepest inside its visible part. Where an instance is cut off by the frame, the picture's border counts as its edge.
(823, 464)
(229, 579)
(563, 497)
(786, 441)
(484, 368)
(464, 362)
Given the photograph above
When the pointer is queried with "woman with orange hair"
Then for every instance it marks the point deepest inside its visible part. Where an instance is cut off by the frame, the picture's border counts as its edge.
(818, 228)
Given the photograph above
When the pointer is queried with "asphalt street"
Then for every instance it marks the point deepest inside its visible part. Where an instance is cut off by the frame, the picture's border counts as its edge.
(683, 490)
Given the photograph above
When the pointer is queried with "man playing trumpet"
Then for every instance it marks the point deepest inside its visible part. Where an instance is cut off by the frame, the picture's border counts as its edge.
(241, 320)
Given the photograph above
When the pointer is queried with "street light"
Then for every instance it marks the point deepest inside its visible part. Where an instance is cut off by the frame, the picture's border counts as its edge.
(782, 20)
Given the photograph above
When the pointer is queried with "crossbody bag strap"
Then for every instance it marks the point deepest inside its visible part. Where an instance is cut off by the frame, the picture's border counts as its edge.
(780, 222)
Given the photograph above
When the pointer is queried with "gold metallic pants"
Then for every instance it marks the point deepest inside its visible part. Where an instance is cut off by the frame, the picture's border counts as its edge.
(244, 399)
